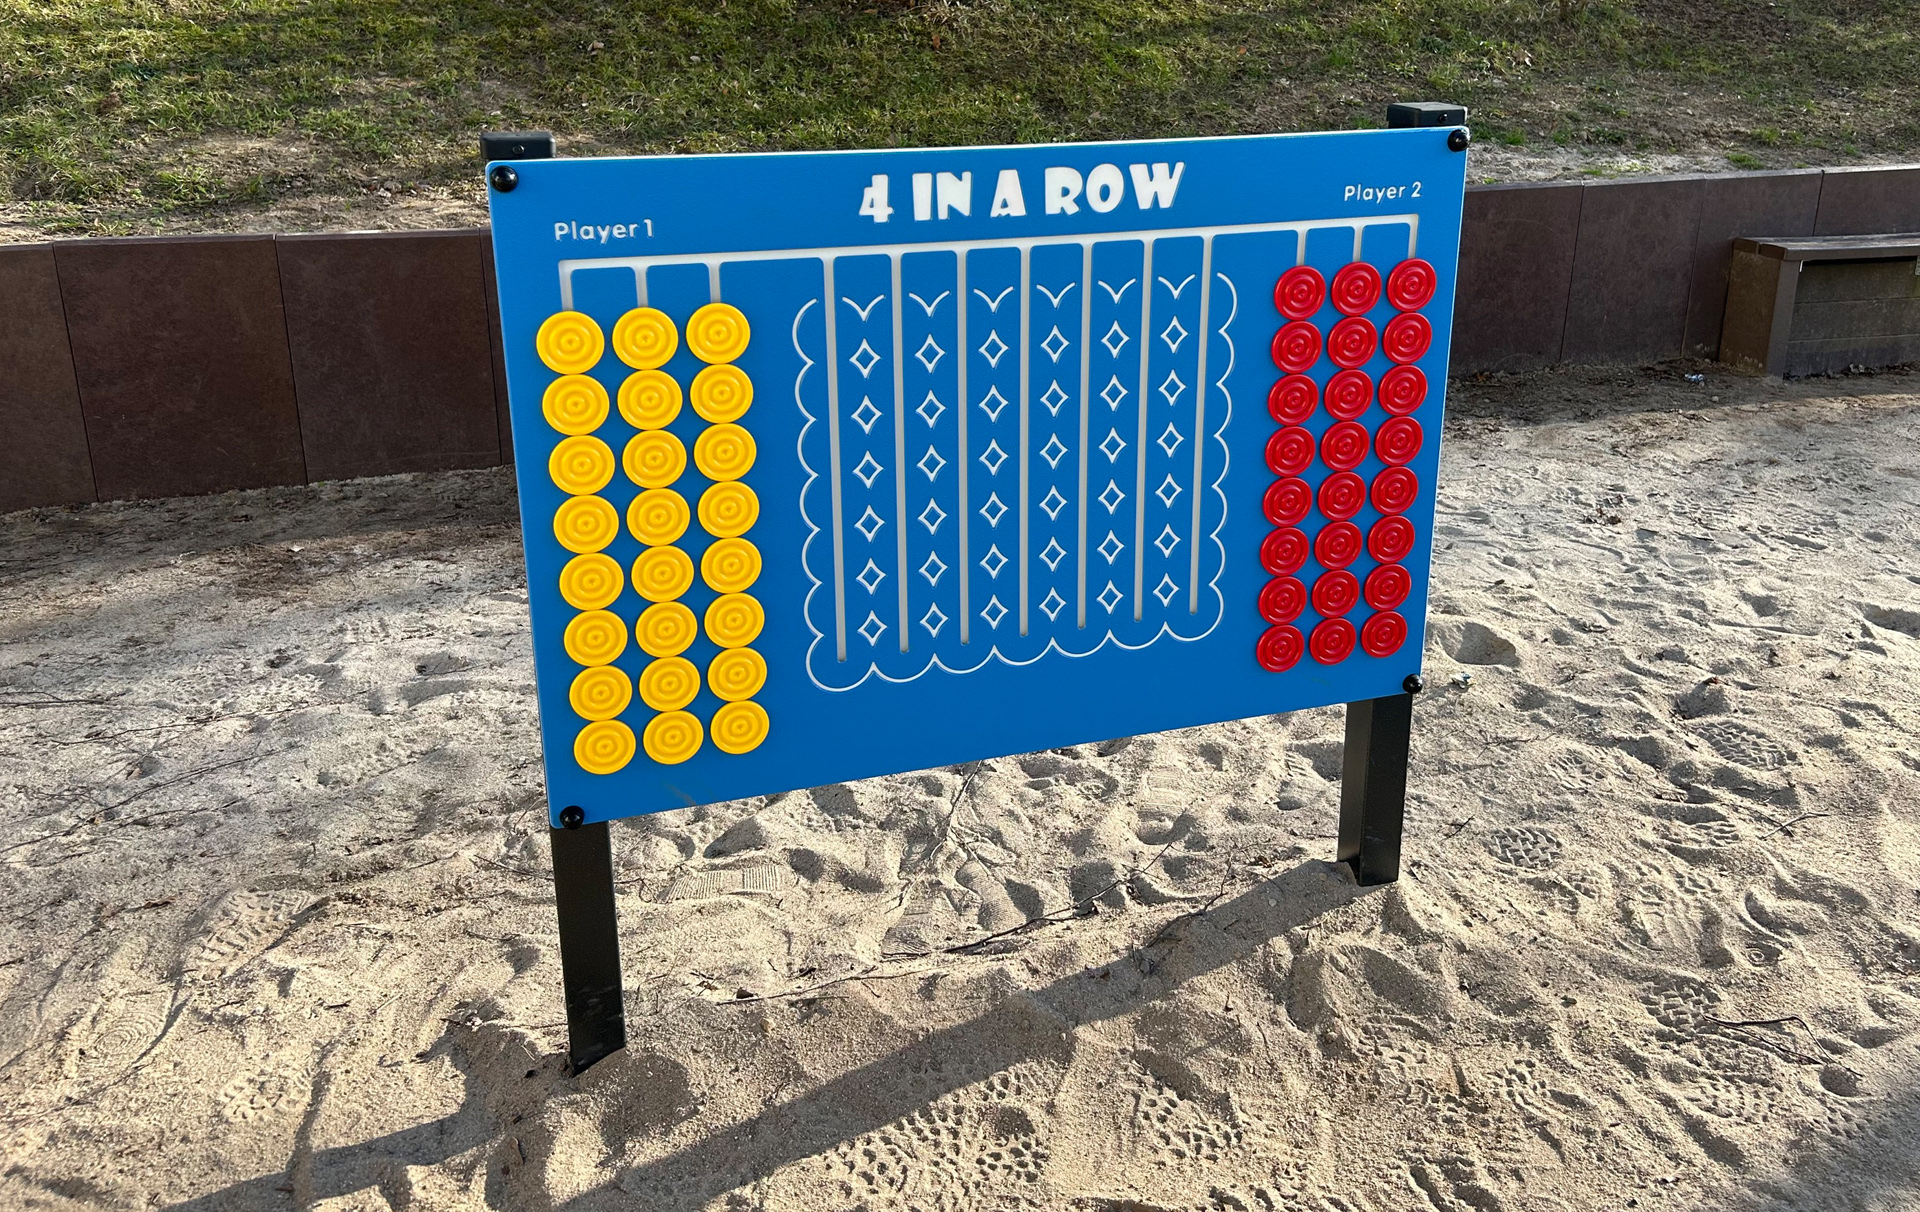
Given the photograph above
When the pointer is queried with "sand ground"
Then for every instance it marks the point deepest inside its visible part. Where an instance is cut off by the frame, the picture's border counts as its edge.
(276, 928)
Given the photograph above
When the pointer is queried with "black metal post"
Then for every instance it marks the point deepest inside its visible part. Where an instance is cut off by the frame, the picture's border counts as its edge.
(1373, 785)
(589, 941)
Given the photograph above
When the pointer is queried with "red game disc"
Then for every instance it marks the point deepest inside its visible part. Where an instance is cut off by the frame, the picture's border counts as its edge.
(1398, 441)
(1337, 545)
(1387, 586)
(1410, 285)
(1408, 336)
(1296, 347)
(1402, 390)
(1335, 593)
(1390, 539)
(1348, 394)
(1344, 446)
(1284, 551)
(1395, 490)
(1282, 600)
(1289, 451)
(1383, 634)
(1300, 291)
(1287, 501)
(1342, 495)
(1332, 641)
(1278, 649)
(1293, 399)
(1351, 342)
(1356, 288)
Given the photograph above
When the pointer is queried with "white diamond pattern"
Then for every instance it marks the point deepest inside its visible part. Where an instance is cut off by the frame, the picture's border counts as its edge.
(930, 409)
(993, 612)
(1053, 554)
(1115, 340)
(1110, 597)
(1173, 334)
(1170, 440)
(1167, 492)
(1053, 451)
(869, 523)
(931, 463)
(933, 569)
(1167, 541)
(929, 353)
(993, 349)
(1054, 398)
(1055, 344)
(871, 576)
(864, 359)
(1166, 590)
(1053, 503)
(873, 629)
(1053, 603)
(993, 561)
(994, 509)
(1111, 496)
(1114, 392)
(992, 457)
(992, 403)
(1111, 547)
(933, 620)
(1171, 387)
(866, 415)
(932, 516)
(869, 469)
(1112, 445)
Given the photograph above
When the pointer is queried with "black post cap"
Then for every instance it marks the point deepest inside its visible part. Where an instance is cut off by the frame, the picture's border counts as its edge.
(516, 145)
(1402, 114)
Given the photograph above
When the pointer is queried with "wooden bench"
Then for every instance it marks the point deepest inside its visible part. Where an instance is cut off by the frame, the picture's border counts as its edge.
(1816, 304)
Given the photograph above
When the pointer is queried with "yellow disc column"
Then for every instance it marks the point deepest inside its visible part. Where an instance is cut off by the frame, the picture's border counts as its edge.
(724, 453)
(581, 465)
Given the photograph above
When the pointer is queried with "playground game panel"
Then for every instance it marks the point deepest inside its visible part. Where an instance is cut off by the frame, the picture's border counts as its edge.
(840, 464)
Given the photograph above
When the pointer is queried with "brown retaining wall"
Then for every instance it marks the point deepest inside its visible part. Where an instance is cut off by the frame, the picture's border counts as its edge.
(165, 366)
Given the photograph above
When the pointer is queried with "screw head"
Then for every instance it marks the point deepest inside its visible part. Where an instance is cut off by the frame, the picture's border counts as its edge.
(503, 178)
(1457, 141)
(572, 816)
(1413, 684)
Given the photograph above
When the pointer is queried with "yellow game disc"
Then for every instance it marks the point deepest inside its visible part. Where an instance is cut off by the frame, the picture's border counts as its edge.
(650, 399)
(581, 465)
(737, 674)
(717, 333)
(665, 629)
(669, 683)
(595, 638)
(662, 574)
(729, 565)
(584, 524)
(723, 452)
(734, 620)
(603, 747)
(574, 404)
(722, 393)
(570, 342)
(654, 459)
(672, 738)
(658, 516)
(591, 582)
(600, 693)
(739, 727)
(645, 338)
(728, 510)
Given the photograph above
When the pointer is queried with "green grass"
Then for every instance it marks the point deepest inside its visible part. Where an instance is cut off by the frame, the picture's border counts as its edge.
(169, 105)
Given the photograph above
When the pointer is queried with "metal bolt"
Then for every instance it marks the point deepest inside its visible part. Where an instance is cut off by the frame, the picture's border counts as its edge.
(1413, 684)
(572, 816)
(504, 178)
(1457, 141)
